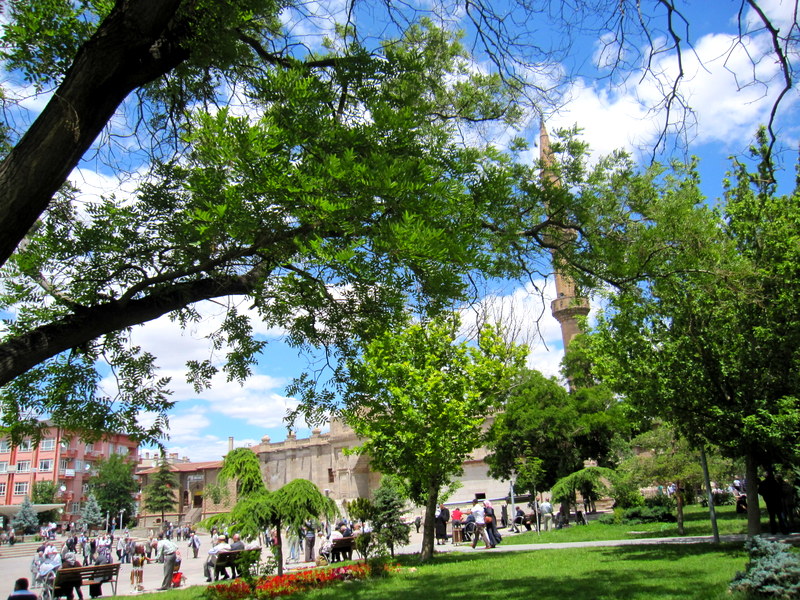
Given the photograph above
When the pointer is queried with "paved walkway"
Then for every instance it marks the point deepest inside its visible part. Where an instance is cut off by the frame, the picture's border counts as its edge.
(15, 566)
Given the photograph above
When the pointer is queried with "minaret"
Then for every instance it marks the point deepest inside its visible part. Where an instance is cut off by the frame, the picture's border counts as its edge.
(567, 306)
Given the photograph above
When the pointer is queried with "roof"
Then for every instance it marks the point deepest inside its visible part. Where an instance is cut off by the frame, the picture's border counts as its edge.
(185, 467)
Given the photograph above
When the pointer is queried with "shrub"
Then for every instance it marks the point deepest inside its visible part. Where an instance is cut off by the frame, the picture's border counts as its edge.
(626, 495)
(645, 514)
(612, 518)
(660, 500)
(772, 572)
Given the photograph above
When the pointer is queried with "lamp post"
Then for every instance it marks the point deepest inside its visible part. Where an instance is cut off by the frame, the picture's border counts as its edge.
(121, 512)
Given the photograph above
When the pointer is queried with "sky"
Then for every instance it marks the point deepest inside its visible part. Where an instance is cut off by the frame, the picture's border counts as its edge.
(612, 115)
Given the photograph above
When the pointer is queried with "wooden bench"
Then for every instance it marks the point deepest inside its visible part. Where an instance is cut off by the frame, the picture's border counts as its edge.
(87, 576)
(341, 546)
(228, 559)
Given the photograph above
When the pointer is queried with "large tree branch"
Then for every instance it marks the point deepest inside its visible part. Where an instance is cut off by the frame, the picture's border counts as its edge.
(137, 43)
(29, 349)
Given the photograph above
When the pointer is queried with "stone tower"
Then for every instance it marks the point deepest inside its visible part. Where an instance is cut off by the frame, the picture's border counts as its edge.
(568, 305)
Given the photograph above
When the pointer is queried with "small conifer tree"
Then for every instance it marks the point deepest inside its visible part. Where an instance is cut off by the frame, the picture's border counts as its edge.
(91, 515)
(26, 520)
(159, 495)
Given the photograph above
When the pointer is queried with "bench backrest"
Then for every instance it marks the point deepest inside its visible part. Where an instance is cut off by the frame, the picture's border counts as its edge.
(342, 542)
(91, 573)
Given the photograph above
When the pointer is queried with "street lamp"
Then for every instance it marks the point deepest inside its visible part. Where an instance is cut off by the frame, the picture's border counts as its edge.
(121, 512)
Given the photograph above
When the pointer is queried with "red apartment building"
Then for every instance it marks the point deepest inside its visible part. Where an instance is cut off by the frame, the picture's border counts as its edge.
(61, 458)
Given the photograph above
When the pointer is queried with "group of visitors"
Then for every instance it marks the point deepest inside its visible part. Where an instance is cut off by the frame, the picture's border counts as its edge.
(480, 521)
(49, 559)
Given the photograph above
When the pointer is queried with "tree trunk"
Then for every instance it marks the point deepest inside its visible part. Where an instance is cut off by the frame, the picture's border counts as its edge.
(712, 511)
(428, 526)
(753, 509)
(679, 507)
(278, 552)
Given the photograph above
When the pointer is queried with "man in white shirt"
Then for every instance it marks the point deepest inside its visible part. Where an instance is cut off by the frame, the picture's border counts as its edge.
(211, 562)
(547, 514)
(480, 523)
(166, 549)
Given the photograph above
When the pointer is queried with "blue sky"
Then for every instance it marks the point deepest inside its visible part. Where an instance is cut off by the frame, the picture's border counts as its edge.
(612, 114)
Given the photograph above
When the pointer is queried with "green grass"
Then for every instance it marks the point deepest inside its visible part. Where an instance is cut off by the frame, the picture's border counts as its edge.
(663, 572)
(699, 572)
(696, 522)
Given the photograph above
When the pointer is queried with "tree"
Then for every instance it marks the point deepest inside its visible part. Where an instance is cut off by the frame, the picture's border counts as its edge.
(665, 458)
(91, 513)
(44, 492)
(388, 507)
(175, 53)
(541, 420)
(419, 400)
(160, 65)
(711, 345)
(377, 220)
(114, 487)
(159, 495)
(26, 520)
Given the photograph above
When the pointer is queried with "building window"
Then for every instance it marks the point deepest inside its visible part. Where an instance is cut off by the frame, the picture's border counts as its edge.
(89, 448)
(63, 464)
(48, 444)
(4, 466)
(123, 450)
(45, 465)
(23, 466)
(331, 476)
(5, 445)
(74, 508)
(20, 488)
(25, 446)
(85, 488)
(3, 488)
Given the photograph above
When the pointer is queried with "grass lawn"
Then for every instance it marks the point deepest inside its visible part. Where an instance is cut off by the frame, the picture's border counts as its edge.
(698, 571)
(696, 522)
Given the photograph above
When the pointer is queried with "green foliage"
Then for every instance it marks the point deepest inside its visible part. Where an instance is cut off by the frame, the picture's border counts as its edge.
(241, 465)
(648, 514)
(44, 492)
(772, 572)
(26, 520)
(388, 507)
(160, 493)
(709, 342)
(114, 486)
(419, 399)
(281, 208)
(588, 481)
(91, 514)
(360, 509)
(541, 420)
(660, 500)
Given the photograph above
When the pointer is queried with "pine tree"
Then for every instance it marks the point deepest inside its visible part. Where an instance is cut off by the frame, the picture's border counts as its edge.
(91, 515)
(159, 495)
(26, 520)
(388, 507)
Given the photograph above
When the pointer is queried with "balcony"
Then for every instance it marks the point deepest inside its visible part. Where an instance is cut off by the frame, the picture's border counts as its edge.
(69, 453)
(66, 473)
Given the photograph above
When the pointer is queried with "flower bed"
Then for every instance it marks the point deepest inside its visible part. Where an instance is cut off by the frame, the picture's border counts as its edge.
(288, 583)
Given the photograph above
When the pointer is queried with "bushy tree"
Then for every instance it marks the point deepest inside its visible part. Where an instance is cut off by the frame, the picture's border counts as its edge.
(160, 493)
(710, 342)
(26, 520)
(114, 487)
(419, 398)
(44, 492)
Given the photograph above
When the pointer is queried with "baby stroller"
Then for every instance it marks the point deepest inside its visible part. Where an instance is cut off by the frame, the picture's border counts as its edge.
(177, 576)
